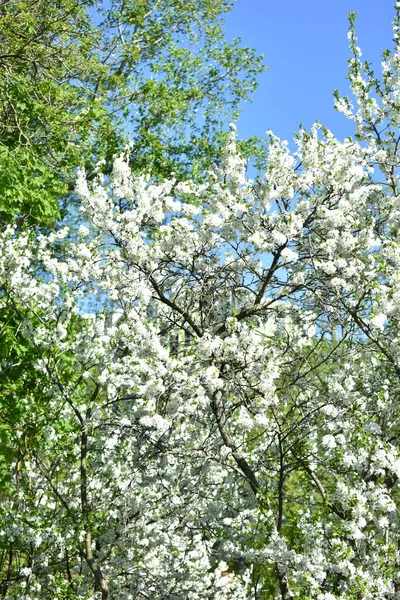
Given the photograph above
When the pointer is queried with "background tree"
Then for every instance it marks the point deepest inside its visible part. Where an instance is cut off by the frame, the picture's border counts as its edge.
(78, 78)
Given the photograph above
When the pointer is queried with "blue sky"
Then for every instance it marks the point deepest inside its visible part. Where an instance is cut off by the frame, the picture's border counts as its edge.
(304, 43)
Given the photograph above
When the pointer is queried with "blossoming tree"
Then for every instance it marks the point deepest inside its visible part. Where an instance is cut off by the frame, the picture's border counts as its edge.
(258, 456)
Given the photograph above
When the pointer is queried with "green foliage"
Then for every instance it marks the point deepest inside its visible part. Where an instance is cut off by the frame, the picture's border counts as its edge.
(76, 80)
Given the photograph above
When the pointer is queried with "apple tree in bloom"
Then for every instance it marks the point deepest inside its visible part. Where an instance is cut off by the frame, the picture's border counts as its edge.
(210, 409)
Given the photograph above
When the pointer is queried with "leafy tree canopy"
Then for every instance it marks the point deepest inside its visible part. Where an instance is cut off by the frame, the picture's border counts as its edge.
(76, 78)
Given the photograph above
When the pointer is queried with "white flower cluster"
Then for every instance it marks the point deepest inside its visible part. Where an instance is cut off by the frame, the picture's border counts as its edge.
(215, 413)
